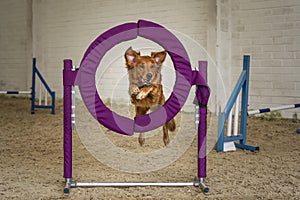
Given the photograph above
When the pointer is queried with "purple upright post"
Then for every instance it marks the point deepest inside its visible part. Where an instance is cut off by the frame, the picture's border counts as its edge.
(202, 94)
(203, 69)
(202, 127)
(67, 82)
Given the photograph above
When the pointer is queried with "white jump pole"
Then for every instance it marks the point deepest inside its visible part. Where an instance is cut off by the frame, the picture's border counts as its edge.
(46, 97)
(265, 110)
(230, 146)
(229, 124)
(40, 93)
(236, 116)
(236, 119)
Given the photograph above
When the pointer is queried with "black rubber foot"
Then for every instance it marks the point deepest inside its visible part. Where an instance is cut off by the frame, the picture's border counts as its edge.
(205, 190)
(66, 191)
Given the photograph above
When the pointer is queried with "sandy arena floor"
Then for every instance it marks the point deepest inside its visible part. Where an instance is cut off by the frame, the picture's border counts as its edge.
(31, 162)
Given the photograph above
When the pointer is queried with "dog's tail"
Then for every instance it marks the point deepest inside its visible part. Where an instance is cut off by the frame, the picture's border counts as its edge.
(171, 125)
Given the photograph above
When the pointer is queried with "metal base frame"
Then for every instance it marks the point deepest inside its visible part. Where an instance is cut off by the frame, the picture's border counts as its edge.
(198, 182)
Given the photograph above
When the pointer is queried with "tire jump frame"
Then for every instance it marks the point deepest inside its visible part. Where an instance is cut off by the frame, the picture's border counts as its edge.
(84, 77)
(32, 92)
(226, 142)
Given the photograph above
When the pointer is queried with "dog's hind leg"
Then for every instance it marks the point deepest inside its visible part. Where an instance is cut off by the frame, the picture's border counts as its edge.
(169, 126)
(141, 139)
(166, 138)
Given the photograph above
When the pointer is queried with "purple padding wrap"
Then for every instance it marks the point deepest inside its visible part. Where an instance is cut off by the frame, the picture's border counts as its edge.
(86, 78)
(202, 94)
(182, 86)
(67, 118)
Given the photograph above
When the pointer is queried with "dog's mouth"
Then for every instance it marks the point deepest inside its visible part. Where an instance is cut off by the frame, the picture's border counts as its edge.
(146, 81)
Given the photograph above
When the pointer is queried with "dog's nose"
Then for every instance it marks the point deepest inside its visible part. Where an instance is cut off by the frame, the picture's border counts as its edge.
(149, 76)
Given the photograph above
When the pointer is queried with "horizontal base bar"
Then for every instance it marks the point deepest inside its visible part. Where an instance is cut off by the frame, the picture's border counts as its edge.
(199, 182)
(41, 106)
(233, 138)
(246, 147)
(75, 184)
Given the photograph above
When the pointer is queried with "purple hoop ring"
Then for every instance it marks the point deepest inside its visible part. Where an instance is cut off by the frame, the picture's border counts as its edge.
(86, 77)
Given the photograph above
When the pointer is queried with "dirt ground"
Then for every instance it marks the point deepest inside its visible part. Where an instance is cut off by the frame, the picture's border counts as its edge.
(31, 162)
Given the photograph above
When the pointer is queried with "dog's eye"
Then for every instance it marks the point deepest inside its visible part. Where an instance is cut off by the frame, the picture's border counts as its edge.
(152, 66)
(142, 66)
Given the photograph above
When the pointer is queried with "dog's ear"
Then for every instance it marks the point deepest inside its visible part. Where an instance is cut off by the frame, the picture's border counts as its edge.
(130, 57)
(159, 56)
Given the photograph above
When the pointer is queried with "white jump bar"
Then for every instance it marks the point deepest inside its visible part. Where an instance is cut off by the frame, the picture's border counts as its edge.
(15, 92)
(75, 184)
(264, 110)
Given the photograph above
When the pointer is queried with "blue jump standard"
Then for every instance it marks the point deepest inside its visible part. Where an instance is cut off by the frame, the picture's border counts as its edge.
(241, 85)
(35, 72)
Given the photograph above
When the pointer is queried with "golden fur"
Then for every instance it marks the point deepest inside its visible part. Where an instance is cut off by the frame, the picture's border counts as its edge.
(145, 89)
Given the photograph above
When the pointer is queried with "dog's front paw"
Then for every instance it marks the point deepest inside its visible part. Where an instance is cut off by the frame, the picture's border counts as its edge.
(141, 95)
(134, 89)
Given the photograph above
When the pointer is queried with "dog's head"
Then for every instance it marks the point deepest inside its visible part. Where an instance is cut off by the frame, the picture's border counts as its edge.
(146, 69)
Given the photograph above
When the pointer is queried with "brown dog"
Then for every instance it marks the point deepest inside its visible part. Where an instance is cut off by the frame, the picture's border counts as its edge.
(145, 89)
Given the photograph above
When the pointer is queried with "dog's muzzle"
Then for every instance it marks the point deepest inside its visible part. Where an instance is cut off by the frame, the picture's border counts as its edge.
(147, 81)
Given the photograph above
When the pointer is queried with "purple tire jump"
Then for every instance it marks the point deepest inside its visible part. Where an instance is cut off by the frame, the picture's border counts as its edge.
(86, 77)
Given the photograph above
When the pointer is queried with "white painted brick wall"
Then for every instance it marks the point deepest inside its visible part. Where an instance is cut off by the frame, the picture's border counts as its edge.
(266, 30)
(15, 43)
(64, 29)
(269, 32)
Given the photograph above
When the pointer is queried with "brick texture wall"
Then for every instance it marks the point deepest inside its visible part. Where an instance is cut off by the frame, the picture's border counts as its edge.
(15, 43)
(64, 29)
(269, 31)
(53, 31)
